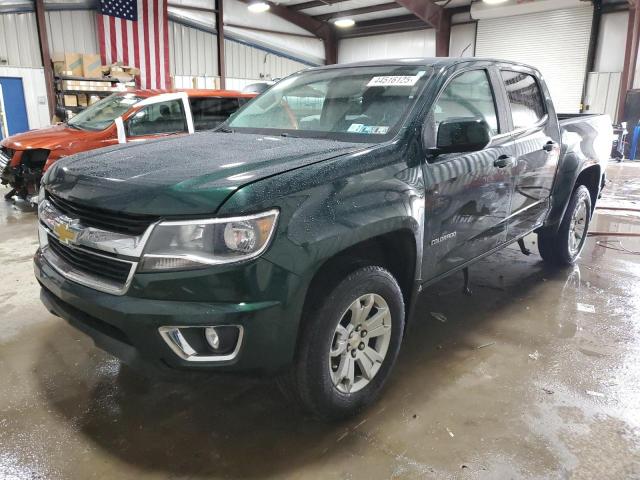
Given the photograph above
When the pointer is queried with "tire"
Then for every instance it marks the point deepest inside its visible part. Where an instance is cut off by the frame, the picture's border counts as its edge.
(563, 247)
(312, 380)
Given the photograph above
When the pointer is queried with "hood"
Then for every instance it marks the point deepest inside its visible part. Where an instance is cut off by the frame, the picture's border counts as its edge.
(187, 175)
(51, 138)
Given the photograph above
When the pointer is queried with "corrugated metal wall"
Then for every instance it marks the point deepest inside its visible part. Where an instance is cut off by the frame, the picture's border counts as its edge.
(243, 61)
(72, 31)
(19, 40)
(419, 43)
(194, 53)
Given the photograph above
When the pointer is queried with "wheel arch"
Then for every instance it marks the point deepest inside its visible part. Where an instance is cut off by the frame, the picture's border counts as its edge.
(382, 250)
(590, 177)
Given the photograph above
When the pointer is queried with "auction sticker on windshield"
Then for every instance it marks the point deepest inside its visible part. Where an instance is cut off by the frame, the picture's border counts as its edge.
(394, 81)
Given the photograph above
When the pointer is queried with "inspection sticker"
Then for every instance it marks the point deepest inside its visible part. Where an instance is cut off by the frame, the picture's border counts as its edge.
(394, 81)
(369, 129)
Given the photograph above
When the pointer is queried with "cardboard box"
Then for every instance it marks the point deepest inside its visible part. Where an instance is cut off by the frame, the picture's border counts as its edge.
(91, 65)
(83, 101)
(73, 63)
(70, 101)
(57, 61)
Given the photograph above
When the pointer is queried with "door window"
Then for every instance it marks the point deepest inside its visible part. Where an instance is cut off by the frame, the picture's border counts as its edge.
(158, 118)
(468, 96)
(209, 112)
(525, 98)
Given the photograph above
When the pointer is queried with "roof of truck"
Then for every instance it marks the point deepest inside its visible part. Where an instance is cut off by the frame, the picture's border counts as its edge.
(418, 61)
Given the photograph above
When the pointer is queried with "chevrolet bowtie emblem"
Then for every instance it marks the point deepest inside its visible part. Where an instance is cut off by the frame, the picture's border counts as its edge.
(65, 233)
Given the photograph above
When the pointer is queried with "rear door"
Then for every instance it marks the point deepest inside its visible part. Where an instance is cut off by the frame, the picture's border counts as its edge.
(210, 112)
(468, 194)
(535, 131)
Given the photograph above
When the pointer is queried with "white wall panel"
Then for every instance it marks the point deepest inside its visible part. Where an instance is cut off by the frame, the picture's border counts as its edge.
(19, 40)
(72, 31)
(246, 62)
(555, 42)
(239, 23)
(35, 93)
(193, 54)
(463, 40)
(602, 93)
(419, 43)
(611, 42)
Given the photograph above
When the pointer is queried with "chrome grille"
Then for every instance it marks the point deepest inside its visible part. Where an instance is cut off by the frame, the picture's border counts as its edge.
(91, 263)
(111, 221)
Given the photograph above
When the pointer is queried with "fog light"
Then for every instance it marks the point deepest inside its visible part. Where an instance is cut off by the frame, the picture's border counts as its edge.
(212, 337)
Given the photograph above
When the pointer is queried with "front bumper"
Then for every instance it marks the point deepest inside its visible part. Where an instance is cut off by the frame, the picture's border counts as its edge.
(128, 326)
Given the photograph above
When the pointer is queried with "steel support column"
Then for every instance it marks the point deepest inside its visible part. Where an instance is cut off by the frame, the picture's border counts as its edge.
(630, 55)
(220, 29)
(43, 41)
(432, 14)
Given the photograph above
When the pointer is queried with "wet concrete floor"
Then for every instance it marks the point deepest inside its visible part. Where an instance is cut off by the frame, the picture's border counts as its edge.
(536, 375)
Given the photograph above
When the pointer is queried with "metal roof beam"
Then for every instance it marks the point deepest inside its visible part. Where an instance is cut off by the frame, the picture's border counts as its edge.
(323, 30)
(433, 14)
(357, 11)
(313, 4)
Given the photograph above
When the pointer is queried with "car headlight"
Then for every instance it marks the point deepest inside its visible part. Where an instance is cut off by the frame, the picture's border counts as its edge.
(181, 245)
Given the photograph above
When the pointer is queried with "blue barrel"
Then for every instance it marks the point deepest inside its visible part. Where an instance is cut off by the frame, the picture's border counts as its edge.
(634, 143)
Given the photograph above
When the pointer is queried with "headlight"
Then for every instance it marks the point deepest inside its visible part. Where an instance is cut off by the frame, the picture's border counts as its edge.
(197, 243)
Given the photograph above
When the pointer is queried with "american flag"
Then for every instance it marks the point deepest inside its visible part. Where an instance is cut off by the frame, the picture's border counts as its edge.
(135, 32)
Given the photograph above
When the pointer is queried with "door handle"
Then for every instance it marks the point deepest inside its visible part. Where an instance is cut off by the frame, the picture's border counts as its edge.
(549, 146)
(504, 161)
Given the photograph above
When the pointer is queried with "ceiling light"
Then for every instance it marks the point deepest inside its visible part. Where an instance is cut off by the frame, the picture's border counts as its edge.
(344, 22)
(493, 2)
(258, 7)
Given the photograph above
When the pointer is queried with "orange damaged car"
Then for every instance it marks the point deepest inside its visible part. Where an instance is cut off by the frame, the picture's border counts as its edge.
(130, 116)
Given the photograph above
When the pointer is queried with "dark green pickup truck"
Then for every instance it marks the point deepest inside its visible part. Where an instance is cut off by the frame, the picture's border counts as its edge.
(293, 241)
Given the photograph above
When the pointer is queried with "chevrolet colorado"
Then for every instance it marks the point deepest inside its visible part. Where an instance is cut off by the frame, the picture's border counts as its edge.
(293, 241)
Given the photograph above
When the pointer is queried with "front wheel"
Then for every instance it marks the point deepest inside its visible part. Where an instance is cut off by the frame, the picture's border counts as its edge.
(349, 346)
(563, 247)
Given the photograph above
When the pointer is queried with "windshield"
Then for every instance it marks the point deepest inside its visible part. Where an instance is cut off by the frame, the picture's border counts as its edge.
(352, 104)
(102, 114)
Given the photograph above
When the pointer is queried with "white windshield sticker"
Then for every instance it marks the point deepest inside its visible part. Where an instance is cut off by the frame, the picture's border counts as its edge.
(368, 129)
(394, 81)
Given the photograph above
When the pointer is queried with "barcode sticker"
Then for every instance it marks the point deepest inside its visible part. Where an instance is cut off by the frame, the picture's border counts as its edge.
(394, 81)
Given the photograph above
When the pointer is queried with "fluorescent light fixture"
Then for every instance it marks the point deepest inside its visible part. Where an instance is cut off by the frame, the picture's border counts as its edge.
(493, 2)
(258, 7)
(344, 22)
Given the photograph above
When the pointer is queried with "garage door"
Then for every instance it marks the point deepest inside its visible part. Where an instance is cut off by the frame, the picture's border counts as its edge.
(555, 42)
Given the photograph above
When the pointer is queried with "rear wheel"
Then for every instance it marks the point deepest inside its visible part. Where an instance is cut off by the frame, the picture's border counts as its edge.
(349, 346)
(563, 247)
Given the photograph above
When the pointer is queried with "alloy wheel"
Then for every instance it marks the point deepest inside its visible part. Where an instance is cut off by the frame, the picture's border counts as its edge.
(578, 228)
(360, 343)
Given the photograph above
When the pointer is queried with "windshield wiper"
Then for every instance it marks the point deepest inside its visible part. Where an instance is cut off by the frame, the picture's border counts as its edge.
(224, 130)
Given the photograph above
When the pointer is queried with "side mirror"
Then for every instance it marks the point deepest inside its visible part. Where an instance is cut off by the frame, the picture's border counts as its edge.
(122, 134)
(460, 135)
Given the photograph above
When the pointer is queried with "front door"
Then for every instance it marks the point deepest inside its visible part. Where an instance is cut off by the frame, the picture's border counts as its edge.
(537, 139)
(159, 116)
(468, 195)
